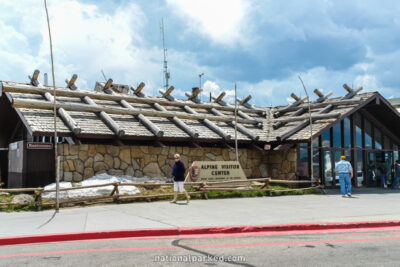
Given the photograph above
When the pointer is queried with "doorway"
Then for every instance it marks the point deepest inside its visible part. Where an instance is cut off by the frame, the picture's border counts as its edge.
(374, 161)
(4, 167)
(331, 156)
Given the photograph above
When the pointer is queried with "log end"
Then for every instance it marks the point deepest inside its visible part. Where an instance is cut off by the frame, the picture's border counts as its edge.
(121, 133)
(77, 130)
(160, 134)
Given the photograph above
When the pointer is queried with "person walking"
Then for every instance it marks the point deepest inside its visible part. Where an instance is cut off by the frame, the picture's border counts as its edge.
(396, 174)
(384, 169)
(345, 171)
(178, 171)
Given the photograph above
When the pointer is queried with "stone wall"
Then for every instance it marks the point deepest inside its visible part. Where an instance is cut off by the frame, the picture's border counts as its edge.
(84, 161)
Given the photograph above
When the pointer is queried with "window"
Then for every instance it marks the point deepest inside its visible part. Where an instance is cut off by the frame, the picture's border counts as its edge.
(368, 134)
(303, 160)
(315, 162)
(337, 136)
(346, 132)
(358, 127)
(386, 142)
(378, 139)
(326, 138)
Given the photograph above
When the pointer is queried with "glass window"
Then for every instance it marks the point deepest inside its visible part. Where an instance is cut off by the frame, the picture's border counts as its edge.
(326, 138)
(386, 142)
(358, 127)
(378, 139)
(346, 132)
(368, 134)
(303, 160)
(328, 167)
(395, 152)
(359, 173)
(337, 135)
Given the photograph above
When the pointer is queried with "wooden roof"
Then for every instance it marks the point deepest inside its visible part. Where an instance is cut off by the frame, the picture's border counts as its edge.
(169, 119)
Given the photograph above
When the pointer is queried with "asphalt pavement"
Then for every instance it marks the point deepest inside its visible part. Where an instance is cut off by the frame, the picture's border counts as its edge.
(365, 205)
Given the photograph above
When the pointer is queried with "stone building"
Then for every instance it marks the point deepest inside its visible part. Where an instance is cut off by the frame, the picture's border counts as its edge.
(119, 130)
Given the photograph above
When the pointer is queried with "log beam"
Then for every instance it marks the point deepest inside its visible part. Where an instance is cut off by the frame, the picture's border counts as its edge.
(210, 124)
(240, 127)
(327, 109)
(23, 88)
(145, 121)
(24, 103)
(68, 120)
(105, 117)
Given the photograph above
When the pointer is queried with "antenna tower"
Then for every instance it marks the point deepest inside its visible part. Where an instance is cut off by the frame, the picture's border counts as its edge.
(166, 72)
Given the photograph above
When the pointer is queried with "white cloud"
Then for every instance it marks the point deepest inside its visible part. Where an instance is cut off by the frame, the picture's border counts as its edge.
(223, 21)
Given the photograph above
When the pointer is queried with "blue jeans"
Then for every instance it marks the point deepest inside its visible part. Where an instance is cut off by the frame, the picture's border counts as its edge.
(384, 178)
(344, 180)
(396, 181)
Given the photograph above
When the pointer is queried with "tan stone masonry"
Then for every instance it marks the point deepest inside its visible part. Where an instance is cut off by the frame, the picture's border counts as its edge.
(84, 161)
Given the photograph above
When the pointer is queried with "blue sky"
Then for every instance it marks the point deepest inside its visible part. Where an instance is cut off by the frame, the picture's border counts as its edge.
(262, 45)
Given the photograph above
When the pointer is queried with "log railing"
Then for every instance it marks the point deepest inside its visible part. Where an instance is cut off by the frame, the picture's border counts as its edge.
(202, 188)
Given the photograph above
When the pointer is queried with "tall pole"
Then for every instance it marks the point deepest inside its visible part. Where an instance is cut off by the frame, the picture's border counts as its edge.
(200, 75)
(55, 113)
(236, 142)
(166, 73)
(311, 133)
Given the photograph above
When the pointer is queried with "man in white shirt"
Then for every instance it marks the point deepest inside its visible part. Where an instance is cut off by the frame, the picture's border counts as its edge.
(345, 171)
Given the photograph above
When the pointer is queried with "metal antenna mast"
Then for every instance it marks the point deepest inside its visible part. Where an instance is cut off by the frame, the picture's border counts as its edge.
(166, 72)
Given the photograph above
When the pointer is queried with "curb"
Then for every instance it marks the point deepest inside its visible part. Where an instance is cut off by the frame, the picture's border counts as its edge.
(192, 231)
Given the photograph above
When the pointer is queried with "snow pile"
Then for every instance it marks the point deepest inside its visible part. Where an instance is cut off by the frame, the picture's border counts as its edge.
(104, 190)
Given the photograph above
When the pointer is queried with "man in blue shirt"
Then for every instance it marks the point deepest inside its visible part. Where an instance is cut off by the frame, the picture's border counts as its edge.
(345, 171)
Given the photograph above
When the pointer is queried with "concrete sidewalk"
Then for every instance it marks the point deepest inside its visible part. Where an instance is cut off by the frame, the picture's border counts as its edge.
(366, 205)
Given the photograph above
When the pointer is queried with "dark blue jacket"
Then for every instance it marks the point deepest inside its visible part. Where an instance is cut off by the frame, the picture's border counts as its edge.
(178, 171)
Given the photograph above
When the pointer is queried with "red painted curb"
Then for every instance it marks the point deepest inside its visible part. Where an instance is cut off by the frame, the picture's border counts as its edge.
(193, 231)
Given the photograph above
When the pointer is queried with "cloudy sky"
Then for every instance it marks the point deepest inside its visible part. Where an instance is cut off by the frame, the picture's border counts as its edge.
(262, 45)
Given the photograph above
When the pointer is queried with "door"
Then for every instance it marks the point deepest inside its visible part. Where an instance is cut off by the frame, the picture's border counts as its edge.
(371, 169)
(331, 157)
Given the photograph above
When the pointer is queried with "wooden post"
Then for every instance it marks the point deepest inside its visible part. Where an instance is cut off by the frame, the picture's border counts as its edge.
(38, 200)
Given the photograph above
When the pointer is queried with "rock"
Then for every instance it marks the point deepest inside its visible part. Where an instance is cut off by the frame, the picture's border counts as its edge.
(98, 157)
(145, 149)
(129, 171)
(275, 158)
(167, 170)
(66, 149)
(73, 150)
(101, 149)
(138, 173)
(185, 150)
(152, 170)
(136, 164)
(99, 166)
(113, 150)
(123, 166)
(292, 156)
(154, 150)
(83, 155)
(92, 150)
(22, 199)
(89, 163)
(165, 151)
(285, 167)
(88, 172)
(125, 155)
(117, 163)
(263, 170)
(275, 173)
(84, 148)
(232, 155)
(78, 165)
(136, 152)
(68, 176)
(116, 172)
(109, 160)
(211, 156)
(77, 177)
(65, 166)
(71, 165)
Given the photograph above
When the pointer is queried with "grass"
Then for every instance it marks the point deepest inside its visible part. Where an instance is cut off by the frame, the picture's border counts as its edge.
(213, 194)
